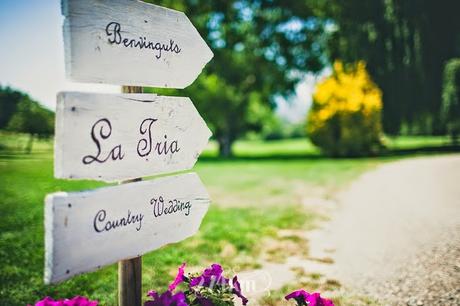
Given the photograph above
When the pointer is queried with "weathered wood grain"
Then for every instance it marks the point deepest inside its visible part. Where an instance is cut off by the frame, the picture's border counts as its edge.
(130, 282)
(113, 137)
(78, 239)
(118, 42)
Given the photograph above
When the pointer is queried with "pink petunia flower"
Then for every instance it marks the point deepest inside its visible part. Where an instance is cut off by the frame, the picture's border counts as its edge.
(210, 277)
(75, 301)
(179, 278)
(302, 297)
(315, 299)
(166, 299)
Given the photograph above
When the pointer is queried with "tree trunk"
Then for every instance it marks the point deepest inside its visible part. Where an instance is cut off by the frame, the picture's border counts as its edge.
(225, 146)
(30, 144)
(454, 138)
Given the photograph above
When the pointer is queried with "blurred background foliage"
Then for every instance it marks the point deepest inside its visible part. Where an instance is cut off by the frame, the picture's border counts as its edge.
(406, 45)
(264, 49)
(20, 114)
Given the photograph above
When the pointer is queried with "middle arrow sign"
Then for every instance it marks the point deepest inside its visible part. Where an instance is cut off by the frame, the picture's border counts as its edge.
(113, 137)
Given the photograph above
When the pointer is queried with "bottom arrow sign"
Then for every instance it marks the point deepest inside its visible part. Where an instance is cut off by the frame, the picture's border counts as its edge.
(91, 229)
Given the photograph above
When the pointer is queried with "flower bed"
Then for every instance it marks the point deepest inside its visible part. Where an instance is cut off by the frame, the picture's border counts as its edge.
(210, 288)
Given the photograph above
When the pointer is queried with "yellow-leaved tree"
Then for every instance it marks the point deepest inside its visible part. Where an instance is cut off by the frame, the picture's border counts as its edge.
(345, 118)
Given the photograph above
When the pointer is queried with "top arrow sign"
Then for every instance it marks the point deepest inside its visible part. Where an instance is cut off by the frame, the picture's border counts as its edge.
(129, 42)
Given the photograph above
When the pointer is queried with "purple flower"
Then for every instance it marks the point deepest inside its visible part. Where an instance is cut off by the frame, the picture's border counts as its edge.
(179, 278)
(302, 297)
(237, 290)
(76, 301)
(166, 299)
(210, 277)
(203, 301)
(315, 299)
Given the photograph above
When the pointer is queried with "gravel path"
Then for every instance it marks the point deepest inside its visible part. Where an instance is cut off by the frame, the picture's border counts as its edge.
(396, 233)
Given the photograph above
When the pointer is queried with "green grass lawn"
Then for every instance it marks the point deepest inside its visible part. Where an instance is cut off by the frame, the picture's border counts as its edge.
(253, 196)
(414, 142)
(17, 143)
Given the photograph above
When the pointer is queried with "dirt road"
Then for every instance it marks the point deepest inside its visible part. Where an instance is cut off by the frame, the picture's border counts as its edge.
(396, 233)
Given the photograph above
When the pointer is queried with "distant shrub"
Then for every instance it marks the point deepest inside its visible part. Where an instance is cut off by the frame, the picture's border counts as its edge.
(345, 118)
(451, 98)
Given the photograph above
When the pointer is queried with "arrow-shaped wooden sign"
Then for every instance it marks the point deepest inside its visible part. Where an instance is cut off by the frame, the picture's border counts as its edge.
(113, 137)
(129, 42)
(87, 230)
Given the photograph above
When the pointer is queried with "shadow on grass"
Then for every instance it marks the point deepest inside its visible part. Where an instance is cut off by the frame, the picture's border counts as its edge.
(424, 150)
(294, 156)
(7, 154)
(388, 153)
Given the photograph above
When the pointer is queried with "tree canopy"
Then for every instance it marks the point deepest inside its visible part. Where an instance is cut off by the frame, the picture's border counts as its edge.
(19, 113)
(262, 49)
(405, 45)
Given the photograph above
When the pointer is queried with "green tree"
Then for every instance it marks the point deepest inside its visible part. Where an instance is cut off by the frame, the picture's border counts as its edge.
(31, 118)
(9, 100)
(451, 98)
(261, 50)
(405, 45)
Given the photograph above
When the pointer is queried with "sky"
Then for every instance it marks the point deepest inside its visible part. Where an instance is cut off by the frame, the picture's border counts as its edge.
(32, 57)
(32, 51)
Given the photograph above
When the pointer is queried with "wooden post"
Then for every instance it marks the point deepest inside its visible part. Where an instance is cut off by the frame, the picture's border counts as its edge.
(130, 282)
(130, 270)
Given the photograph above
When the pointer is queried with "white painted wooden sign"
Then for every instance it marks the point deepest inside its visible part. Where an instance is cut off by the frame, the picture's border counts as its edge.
(87, 230)
(129, 42)
(112, 137)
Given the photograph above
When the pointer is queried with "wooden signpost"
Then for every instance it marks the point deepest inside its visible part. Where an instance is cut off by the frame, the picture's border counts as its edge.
(123, 137)
(114, 137)
(129, 42)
